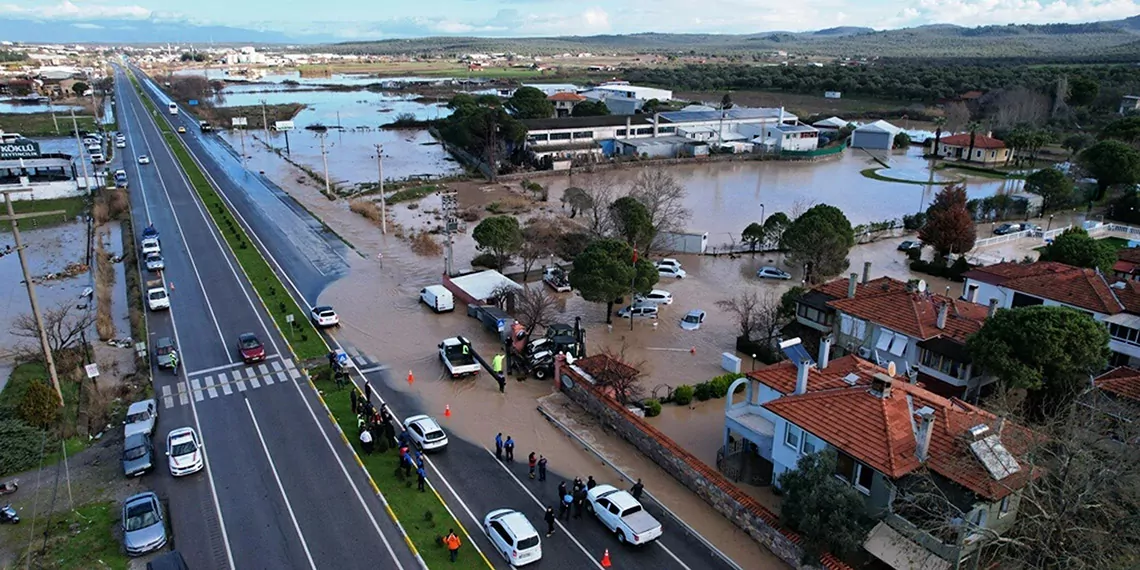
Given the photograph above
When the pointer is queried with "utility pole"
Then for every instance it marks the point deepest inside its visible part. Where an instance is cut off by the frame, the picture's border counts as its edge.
(383, 201)
(12, 217)
(449, 201)
(82, 159)
(54, 121)
(264, 121)
(325, 160)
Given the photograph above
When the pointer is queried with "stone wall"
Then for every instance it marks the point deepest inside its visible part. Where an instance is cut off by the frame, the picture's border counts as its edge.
(744, 511)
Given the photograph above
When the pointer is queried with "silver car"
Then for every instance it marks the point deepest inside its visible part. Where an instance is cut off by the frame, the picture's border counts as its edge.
(144, 526)
(154, 262)
(693, 320)
(138, 455)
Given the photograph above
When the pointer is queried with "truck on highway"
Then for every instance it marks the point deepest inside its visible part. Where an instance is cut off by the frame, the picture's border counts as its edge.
(458, 357)
(622, 514)
(156, 297)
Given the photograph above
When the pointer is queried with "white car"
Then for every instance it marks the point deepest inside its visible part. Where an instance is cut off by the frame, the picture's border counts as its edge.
(513, 536)
(151, 245)
(654, 297)
(144, 159)
(324, 316)
(141, 417)
(669, 262)
(623, 515)
(638, 312)
(97, 158)
(154, 262)
(425, 432)
(693, 320)
(769, 272)
(184, 452)
(121, 143)
(667, 271)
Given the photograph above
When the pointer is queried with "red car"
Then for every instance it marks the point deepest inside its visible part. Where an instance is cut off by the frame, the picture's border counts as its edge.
(250, 348)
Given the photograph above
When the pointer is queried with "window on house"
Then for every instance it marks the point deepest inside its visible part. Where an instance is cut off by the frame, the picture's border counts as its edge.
(978, 518)
(811, 444)
(666, 129)
(584, 135)
(844, 467)
(993, 153)
(1003, 509)
(559, 136)
(621, 132)
(863, 477)
(792, 437)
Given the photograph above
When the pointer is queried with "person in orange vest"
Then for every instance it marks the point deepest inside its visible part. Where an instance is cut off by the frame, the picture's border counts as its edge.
(452, 543)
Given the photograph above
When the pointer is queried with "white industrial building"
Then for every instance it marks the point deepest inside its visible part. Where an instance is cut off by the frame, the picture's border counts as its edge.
(624, 89)
(791, 138)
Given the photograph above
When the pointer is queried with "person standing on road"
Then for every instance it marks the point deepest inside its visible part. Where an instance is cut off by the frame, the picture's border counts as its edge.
(591, 483)
(531, 462)
(579, 502)
(502, 380)
(452, 543)
(564, 506)
(561, 490)
(577, 484)
(352, 398)
(419, 459)
(422, 478)
(332, 359)
(499, 446)
(637, 489)
(408, 464)
(541, 468)
(549, 518)
(367, 391)
(509, 447)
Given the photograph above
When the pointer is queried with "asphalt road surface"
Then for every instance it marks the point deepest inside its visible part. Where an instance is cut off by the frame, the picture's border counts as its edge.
(469, 477)
(281, 490)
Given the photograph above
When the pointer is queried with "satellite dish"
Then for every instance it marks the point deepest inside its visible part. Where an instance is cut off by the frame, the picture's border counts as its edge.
(921, 285)
(891, 369)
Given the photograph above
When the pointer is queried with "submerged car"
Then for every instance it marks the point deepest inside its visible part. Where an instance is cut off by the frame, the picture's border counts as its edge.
(668, 271)
(144, 526)
(638, 312)
(654, 297)
(250, 348)
(909, 245)
(769, 272)
(693, 320)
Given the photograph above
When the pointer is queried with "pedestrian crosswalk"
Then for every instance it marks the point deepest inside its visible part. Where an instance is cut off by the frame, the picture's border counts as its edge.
(212, 384)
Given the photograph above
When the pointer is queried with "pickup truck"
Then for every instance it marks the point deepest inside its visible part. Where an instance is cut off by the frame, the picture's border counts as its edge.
(457, 356)
(622, 514)
(156, 296)
(556, 279)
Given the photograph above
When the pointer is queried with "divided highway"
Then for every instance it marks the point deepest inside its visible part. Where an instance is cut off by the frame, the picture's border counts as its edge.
(308, 257)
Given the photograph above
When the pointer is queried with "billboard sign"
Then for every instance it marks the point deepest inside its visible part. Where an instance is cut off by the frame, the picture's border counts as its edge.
(283, 125)
(239, 121)
(19, 148)
(832, 95)
(193, 102)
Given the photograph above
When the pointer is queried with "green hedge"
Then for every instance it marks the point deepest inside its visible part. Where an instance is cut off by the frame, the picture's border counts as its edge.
(652, 407)
(717, 387)
(683, 395)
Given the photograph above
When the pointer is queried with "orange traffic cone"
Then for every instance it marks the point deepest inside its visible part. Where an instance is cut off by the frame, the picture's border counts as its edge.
(447, 411)
(606, 559)
(692, 350)
(410, 378)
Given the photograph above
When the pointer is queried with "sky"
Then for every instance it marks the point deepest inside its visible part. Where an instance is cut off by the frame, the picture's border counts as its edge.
(379, 19)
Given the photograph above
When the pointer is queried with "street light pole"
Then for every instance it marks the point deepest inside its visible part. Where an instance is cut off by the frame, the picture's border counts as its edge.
(325, 160)
(383, 201)
(82, 160)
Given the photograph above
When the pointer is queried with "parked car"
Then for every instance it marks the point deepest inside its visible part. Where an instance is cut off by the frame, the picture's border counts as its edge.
(425, 432)
(164, 352)
(154, 262)
(324, 316)
(667, 271)
(693, 320)
(138, 455)
(654, 297)
(250, 348)
(141, 417)
(184, 451)
(144, 159)
(121, 143)
(909, 245)
(151, 245)
(97, 158)
(144, 526)
(513, 536)
(638, 312)
(622, 514)
(1004, 229)
(769, 272)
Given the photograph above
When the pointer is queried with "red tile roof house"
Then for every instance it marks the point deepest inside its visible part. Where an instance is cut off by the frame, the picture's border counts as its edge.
(1114, 302)
(891, 435)
(1117, 393)
(1127, 264)
(986, 150)
(887, 320)
(564, 102)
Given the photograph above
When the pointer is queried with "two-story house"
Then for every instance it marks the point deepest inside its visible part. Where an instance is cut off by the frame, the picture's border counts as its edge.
(1115, 396)
(816, 318)
(894, 441)
(1114, 302)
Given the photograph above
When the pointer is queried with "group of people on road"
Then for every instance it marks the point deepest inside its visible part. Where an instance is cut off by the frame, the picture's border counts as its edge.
(506, 448)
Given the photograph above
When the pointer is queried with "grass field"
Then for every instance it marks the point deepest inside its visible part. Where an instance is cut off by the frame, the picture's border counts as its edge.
(303, 339)
(82, 539)
(72, 207)
(41, 125)
(805, 104)
(452, 69)
(422, 515)
(411, 194)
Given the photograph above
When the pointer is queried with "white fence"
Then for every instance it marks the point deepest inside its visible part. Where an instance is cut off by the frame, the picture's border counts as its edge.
(1092, 227)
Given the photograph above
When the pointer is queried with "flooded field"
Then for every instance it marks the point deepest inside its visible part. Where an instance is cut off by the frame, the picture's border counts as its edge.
(16, 106)
(338, 79)
(349, 109)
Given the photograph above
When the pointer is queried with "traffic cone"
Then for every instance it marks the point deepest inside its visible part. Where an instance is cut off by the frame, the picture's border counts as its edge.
(410, 378)
(171, 286)
(692, 350)
(447, 411)
(606, 559)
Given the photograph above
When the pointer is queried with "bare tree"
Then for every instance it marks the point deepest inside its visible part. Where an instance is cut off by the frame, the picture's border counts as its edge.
(63, 324)
(756, 314)
(800, 206)
(957, 116)
(596, 208)
(540, 239)
(664, 198)
(1018, 106)
(578, 199)
(535, 306)
(622, 379)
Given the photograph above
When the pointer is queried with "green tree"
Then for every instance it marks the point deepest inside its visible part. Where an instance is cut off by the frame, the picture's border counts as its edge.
(753, 235)
(1076, 247)
(949, 228)
(40, 405)
(500, 236)
(939, 123)
(973, 127)
(726, 101)
(590, 109)
(1126, 129)
(821, 237)
(774, 228)
(1055, 189)
(902, 140)
(1111, 162)
(1077, 142)
(788, 302)
(530, 103)
(79, 88)
(1082, 91)
(827, 512)
(606, 270)
(631, 221)
(1048, 350)
(651, 106)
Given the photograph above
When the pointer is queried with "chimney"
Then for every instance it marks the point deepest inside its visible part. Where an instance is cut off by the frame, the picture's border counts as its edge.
(851, 281)
(993, 308)
(881, 386)
(656, 118)
(972, 293)
(824, 351)
(924, 417)
(781, 116)
(866, 272)
(943, 310)
(802, 369)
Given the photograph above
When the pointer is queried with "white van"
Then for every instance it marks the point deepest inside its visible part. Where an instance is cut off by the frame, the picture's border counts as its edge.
(438, 298)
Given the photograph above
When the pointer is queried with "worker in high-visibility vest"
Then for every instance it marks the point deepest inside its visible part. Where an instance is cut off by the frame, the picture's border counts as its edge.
(497, 364)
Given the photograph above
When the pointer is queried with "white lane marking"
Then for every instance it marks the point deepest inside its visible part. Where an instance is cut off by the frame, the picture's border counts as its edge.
(182, 234)
(262, 369)
(671, 555)
(294, 373)
(589, 555)
(223, 367)
(360, 360)
(183, 398)
(226, 387)
(197, 389)
(213, 392)
(268, 379)
(253, 382)
(241, 385)
(288, 506)
(281, 377)
(277, 366)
